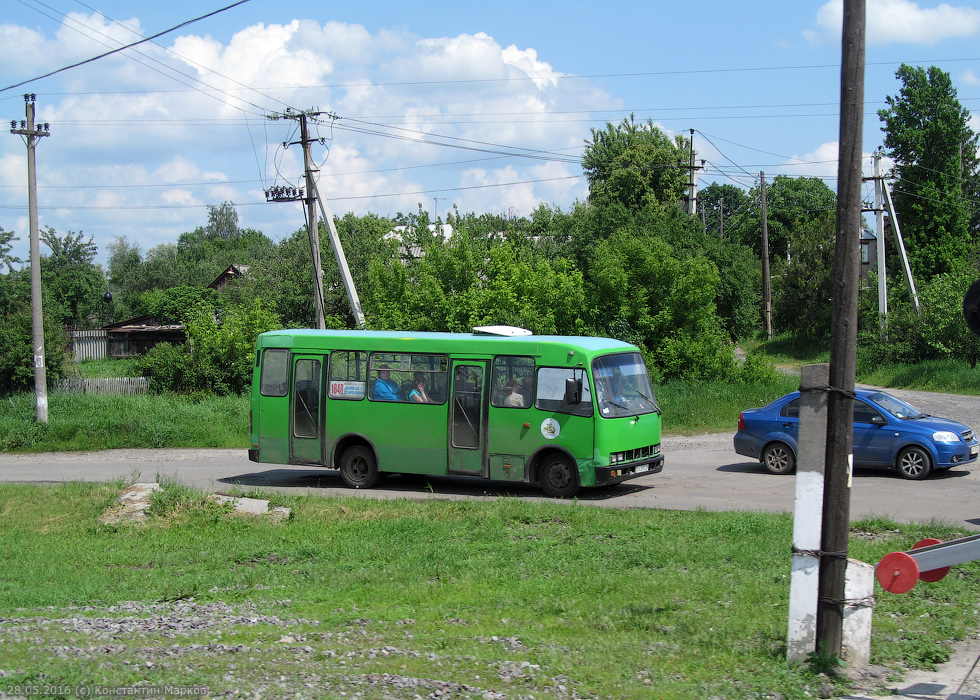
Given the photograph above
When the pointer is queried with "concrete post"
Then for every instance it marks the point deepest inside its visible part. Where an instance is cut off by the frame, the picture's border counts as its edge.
(808, 513)
(859, 587)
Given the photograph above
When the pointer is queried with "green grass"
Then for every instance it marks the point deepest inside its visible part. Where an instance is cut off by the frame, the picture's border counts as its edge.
(97, 369)
(103, 421)
(788, 352)
(713, 407)
(950, 376)
(505, 596)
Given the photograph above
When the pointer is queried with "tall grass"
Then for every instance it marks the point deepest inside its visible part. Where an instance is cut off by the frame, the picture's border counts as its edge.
(105, 421)
(952, 376)
(712, 407)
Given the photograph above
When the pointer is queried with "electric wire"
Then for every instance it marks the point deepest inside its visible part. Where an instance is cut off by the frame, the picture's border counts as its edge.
(123, 48)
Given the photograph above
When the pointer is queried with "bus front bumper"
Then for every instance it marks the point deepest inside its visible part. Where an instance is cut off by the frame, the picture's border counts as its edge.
(614, 475)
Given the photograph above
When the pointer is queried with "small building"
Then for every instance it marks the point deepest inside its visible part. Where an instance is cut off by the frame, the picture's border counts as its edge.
(135, 336)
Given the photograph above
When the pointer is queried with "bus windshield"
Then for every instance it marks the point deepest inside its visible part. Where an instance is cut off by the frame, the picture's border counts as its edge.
(622, 386)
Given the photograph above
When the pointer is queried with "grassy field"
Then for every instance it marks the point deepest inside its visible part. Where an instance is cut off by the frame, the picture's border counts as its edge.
(399, 599)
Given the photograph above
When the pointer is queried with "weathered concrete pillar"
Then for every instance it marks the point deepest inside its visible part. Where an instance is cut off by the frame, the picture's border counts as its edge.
(808, 513)
(859, 588)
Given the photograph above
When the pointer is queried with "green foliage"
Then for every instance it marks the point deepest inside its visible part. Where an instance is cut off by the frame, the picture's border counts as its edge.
(791, 203)
(938, 333)
(220, 354)
(177, 304)
(928, 134)
(72, 284)
(17, 352)
(803, 285)
(6, 245)
(636, 165)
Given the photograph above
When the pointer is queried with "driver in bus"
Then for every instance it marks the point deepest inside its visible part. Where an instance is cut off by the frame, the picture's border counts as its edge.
(384, 389)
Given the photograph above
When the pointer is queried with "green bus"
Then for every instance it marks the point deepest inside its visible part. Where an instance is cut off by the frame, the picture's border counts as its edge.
(499, 404)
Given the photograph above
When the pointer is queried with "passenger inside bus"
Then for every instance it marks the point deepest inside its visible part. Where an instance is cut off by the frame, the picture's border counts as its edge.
(384, 389)
(513, 397)
(418, 393)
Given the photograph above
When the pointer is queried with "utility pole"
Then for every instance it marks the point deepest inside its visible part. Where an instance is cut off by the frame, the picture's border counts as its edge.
(880, 242)
(721, 217)
(691, 206)
(311, 198)
(31, 134)
(843, 347)
(766, 286)
(312, 221)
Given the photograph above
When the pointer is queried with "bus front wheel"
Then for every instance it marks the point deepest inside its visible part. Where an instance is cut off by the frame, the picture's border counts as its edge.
(358, 468)
(558, 478)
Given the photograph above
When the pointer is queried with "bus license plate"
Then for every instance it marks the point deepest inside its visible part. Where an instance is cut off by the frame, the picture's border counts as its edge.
(642, 468)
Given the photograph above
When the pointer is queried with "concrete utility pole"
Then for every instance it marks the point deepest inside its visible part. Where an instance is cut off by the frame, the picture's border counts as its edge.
(692, 183)
(843, 349)
(311, 198)
(27, 129)
(311, 221)
(880, 242)
(766, 285)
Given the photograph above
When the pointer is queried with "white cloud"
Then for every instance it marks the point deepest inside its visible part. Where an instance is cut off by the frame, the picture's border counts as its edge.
(181, 128)
(899, 21)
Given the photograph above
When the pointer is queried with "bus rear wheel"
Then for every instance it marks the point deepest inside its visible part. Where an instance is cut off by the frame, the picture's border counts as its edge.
(558, 478)
(358, 468)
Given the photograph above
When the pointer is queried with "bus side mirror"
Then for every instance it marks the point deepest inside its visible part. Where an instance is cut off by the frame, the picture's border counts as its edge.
(573, 391)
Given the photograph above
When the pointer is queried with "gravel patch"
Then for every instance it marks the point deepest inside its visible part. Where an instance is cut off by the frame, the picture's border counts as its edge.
(246, 653)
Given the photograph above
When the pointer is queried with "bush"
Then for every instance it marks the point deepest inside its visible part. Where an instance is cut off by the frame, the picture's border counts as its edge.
(17, 353)
(168, 368)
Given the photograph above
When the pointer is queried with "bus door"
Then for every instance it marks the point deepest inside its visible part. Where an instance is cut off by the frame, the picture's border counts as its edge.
(468, 418)
(306, 405)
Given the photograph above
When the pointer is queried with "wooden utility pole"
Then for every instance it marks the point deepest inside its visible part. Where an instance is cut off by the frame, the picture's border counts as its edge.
(843, 349)
(31, 134)
(766, 287)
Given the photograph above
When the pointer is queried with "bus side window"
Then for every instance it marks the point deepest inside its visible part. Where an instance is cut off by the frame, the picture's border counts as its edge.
(513, 381)
(551, 391)
(275, 372)
(348, 375)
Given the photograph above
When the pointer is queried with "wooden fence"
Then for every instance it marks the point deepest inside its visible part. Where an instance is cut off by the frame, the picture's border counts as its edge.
(129, 386)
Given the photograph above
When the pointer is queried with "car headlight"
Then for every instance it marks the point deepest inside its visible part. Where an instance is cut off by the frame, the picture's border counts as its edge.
(945, 436)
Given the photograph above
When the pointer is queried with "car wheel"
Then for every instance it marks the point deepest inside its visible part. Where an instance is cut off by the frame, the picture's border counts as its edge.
(558, 478)
(358, 468)
(778, 458)
(914, 463)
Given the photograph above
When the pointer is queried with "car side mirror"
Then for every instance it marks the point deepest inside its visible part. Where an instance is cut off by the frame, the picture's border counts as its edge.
(573, 391)
(878, 420)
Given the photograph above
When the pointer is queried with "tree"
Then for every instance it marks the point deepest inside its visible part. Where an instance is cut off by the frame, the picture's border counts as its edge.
(72, 284)
(222, 221)
(722, 206)
(803, 284)
(635, 165)
(791, 203)
(927, 133)
(5, 247)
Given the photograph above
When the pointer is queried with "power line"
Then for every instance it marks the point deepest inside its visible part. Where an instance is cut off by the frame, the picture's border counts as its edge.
(123, 48)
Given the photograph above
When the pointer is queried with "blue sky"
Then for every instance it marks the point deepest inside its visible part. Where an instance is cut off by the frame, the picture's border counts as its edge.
(485, 106)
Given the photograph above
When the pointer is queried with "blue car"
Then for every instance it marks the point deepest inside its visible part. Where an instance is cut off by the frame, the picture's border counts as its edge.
(888, 432)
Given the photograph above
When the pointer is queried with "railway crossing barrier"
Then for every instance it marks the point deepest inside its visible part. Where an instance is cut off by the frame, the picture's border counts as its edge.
(929, 560)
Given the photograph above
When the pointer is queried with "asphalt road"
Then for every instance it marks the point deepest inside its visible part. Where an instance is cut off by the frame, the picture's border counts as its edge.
(701, 472)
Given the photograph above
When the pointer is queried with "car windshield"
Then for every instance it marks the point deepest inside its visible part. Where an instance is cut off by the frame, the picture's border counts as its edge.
(623, 386)
(895, 406)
